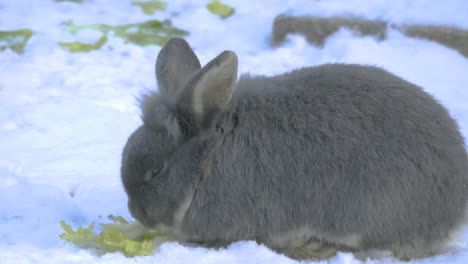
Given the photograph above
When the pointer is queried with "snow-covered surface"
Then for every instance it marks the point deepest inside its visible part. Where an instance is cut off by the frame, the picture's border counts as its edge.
(65, 117)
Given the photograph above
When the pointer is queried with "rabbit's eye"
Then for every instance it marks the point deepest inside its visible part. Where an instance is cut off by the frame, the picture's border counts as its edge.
(155, 172)
(151, 174)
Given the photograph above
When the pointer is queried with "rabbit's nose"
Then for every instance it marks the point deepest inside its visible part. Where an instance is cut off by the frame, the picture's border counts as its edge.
(136, 210)
(140, 214)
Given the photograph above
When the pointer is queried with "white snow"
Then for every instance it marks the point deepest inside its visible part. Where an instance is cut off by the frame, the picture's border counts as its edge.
(65, 117)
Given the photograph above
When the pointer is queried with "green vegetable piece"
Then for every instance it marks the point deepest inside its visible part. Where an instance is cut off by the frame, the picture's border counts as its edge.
(222, 10)
(118, 219)
(132, 239)
(75, 47)
(82, 237)
(15, 40)
(133, 248)
(148, 33)
(146, 248)
(152, 32)
(149, 7)
(115, 240)
(112, 237)
(72, 28)
(66, 227)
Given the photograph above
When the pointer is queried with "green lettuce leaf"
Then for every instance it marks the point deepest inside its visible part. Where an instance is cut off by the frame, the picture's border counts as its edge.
(75, 47)
(149, 7)
(222, 10)
(152, 32)
(132, 239)
(15, 40)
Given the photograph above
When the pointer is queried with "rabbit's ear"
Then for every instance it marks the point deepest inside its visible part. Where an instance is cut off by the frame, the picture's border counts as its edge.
(212, 87)
(175, 65)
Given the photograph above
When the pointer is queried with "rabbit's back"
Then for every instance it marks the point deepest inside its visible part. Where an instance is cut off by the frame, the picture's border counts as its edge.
(338, 151)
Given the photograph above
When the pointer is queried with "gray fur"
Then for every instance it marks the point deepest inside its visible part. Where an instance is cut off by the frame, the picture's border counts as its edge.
(348, 155)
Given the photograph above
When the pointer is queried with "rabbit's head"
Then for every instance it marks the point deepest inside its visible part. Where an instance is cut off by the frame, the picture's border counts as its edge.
(153, 159)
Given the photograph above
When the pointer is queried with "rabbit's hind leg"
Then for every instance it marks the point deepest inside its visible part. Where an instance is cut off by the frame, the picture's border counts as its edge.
(418, 249)
(313, 250)
(364, 255)
(325, 247)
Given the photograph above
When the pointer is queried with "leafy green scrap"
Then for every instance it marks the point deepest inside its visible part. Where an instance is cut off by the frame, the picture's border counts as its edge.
(15, 40)
(152, 32)
(118, 219)
(150, 7)
(222, 10)
(131, 239)
(75, 47)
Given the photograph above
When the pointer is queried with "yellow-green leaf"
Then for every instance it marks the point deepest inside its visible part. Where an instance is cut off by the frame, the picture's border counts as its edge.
(147, 248)
(152, 32)
(149, 7)
(66, 227)
(220, 9)
(112, 237)
(82, 237)
(118, 219)
(15, 40)
(132, 239)
(72, 28)
(76, 47)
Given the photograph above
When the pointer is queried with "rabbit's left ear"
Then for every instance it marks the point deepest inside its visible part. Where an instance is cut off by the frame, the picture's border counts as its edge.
(175, 65)
(210, 90)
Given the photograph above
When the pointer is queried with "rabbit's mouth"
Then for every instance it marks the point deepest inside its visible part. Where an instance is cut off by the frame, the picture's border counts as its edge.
(170, 218)
(139, 213)
(148, 223)
(148, 220)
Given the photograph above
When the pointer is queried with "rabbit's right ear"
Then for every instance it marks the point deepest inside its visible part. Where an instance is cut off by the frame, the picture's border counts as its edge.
(211, 89)
(175, 64)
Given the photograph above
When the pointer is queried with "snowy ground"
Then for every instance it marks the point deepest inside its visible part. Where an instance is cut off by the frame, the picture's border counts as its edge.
(65, 117)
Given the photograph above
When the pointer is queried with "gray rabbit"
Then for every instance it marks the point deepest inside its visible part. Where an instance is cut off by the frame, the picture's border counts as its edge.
(344, 155)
